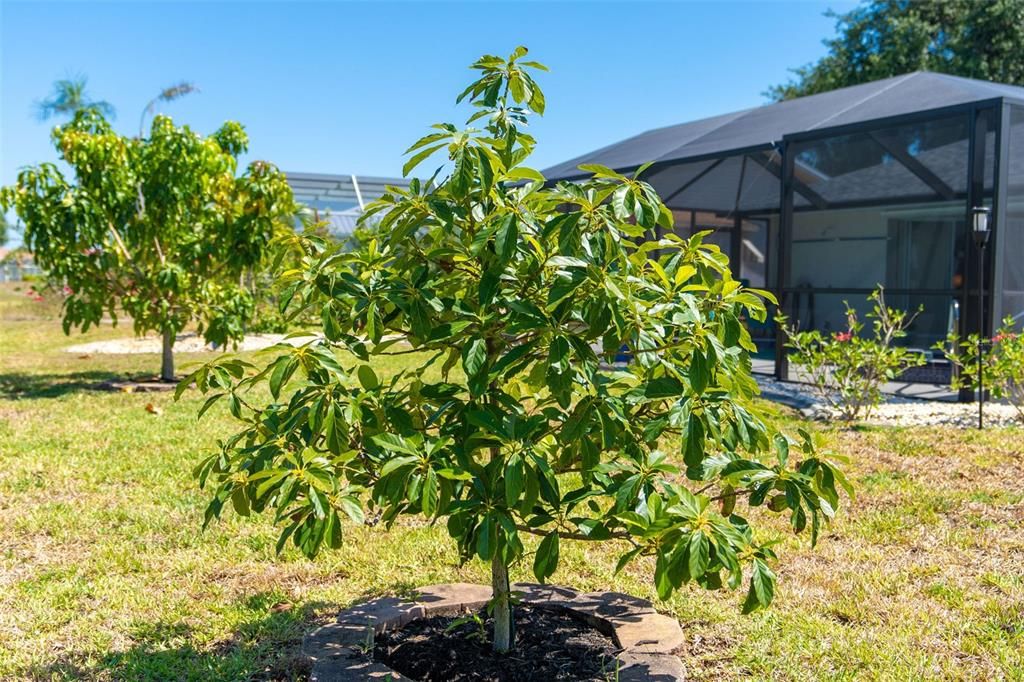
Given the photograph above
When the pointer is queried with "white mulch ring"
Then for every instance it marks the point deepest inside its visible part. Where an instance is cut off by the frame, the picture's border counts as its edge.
(896, 410)
(186, 343)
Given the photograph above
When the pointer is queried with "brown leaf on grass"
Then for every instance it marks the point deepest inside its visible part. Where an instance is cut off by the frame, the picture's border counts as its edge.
(153, 409)
(84, 357)
(281, 607)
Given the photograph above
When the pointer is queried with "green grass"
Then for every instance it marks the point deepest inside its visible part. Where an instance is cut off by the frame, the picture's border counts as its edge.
(105, 574)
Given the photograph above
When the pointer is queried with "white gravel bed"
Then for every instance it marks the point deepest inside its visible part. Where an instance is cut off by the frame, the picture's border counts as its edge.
(941, 413)
(895, 410)
(186, 343)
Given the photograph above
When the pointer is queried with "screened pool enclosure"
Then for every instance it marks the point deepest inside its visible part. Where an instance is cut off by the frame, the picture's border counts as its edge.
(820, 199)
(338, 200)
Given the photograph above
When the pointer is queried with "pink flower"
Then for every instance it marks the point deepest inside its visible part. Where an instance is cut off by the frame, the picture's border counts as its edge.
(842, 337)
(1003, 336)
(68, 290)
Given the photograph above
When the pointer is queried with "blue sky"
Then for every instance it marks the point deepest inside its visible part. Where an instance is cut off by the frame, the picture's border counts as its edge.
(345, 87)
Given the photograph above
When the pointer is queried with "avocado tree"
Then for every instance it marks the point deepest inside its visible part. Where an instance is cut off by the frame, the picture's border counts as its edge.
(514, 297)
(159, 228)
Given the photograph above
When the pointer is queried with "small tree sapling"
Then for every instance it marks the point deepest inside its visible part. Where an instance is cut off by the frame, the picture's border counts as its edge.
(515, 295)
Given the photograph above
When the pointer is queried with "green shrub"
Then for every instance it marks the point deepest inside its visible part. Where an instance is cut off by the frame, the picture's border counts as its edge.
(1002, 366)
(848, 369)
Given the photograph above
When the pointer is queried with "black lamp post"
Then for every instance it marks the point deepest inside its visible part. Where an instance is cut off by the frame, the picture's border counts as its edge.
(981, 231)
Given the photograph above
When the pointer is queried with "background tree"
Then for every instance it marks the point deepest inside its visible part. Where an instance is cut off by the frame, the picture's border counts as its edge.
(168, 94)
(68, 97)
(160, 229)
(5, 230)
(884, 38)
(510, 424)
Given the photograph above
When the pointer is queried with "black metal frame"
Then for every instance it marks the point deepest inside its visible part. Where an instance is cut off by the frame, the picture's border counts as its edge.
(789, 186)
(999, 108)
(1000, 199)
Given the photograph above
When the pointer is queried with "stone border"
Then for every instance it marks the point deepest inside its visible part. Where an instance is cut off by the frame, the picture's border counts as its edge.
(646, 638)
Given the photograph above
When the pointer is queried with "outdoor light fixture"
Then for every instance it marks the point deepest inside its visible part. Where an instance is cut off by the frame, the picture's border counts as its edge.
(980, 216)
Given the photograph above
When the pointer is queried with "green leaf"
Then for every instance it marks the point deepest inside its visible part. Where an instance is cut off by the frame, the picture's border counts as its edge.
(524, 173)
(507, 238)
(782, 448)
(390, 441)
(546, 560)
(418, 158)
(663, 387)
(430, 493)
(699, 373)
(601, 171)
(353, 509)
(762, 587)
(209, 403)
(474, 356)
(699, 554)
(462, 176)
(367, 377)
(284, 367)
(490, 282)
(373, 330)
(625, 559)
(662, 577)
(240, 501)
(485, 538)
(693, 442)
(332, 530)
(565, 262)
(515, 473)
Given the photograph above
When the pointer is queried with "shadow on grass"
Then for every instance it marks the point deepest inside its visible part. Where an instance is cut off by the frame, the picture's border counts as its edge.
(263, 649)
(20, 385)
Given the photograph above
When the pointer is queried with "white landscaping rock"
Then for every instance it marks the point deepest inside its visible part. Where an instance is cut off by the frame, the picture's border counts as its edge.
(895, 410)
(186, 343)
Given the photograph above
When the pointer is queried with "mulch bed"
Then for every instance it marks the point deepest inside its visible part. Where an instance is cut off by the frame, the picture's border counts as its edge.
(549, 645)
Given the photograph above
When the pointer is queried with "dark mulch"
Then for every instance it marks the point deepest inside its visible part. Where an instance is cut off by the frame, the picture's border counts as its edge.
(550, 645)
(144, 385)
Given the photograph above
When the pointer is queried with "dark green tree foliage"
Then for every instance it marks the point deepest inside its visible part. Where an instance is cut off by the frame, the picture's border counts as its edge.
(512, 425)
(160, 229)
(883, 38)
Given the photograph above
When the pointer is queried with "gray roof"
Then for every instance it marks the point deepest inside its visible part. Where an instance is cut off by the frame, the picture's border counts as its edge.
(336, 199)
(764, 126)
(339, 192)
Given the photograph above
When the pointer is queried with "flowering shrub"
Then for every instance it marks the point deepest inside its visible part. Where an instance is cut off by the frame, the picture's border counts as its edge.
(848, 369)
(1002, 367)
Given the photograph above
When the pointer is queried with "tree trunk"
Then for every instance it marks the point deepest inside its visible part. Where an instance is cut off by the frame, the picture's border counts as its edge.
(167, 363)
(502, 604)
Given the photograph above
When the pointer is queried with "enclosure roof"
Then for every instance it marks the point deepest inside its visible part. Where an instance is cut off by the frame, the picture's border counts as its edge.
(767, 125)
(339, 191)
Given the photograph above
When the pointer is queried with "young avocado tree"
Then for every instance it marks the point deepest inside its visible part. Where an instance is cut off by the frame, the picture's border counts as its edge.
(159, 228)
(508, 422)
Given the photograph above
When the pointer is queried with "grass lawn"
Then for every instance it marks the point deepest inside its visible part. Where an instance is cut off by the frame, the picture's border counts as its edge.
(104, 573)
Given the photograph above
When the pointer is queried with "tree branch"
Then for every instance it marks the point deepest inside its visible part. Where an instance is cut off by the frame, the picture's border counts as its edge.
(570, 535)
